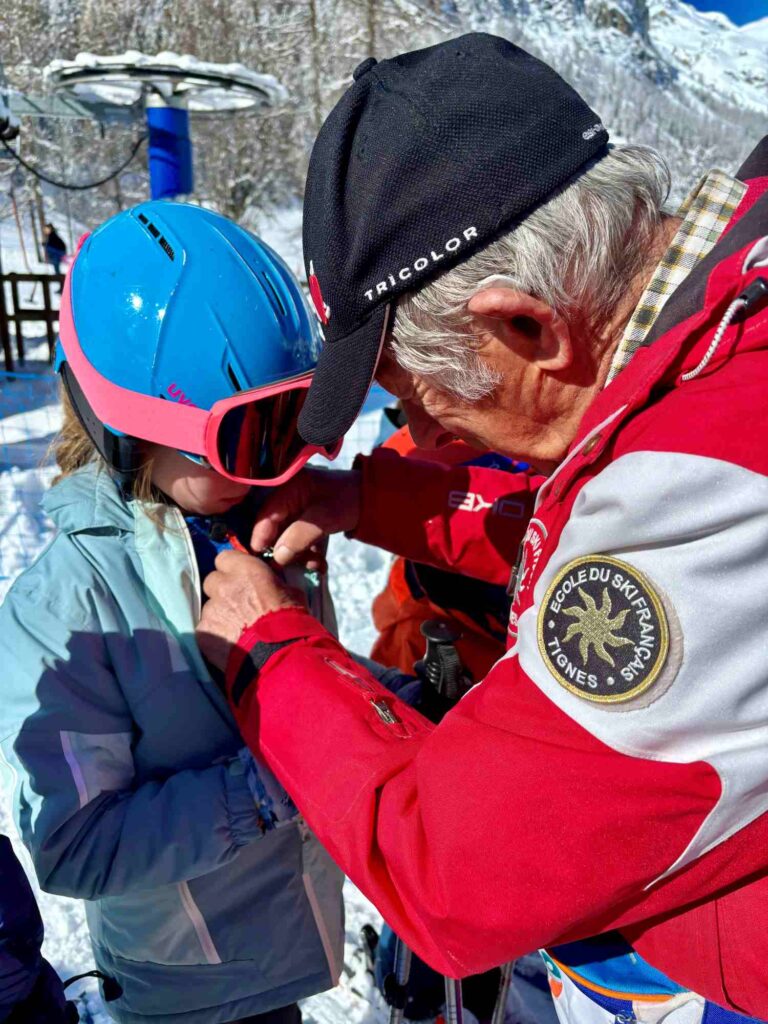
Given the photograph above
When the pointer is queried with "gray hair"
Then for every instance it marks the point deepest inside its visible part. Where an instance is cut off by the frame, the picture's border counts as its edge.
(578, 252)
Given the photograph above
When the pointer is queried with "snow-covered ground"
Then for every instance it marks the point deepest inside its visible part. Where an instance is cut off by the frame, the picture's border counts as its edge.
(29, 419)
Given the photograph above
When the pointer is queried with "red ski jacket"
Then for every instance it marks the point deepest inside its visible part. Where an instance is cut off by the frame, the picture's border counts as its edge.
(611, 771)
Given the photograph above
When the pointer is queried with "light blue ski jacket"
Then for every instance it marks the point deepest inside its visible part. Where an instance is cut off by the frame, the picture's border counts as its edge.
(128, 790)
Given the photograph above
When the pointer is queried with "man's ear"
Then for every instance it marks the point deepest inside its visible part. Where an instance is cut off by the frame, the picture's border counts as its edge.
(537, 332)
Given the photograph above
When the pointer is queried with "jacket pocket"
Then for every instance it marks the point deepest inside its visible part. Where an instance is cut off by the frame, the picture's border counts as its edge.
(161, 926)
(257, 908)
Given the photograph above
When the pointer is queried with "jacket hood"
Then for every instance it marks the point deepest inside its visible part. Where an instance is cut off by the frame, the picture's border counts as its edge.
(89, 499)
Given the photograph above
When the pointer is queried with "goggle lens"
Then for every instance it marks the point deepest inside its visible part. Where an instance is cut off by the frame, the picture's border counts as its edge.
(260, 440)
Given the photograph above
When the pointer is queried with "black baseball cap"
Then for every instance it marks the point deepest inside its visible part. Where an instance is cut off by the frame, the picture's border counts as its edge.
(426, 158)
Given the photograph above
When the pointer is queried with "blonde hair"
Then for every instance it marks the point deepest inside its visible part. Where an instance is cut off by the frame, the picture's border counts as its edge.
(72, 448)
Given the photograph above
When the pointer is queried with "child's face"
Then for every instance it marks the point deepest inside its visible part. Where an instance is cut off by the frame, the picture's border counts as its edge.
(193, 487)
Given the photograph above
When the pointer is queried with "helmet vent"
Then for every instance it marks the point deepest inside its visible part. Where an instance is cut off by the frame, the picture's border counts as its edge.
(233, 377)
(161, 240)
(273, 296)
(166, 247)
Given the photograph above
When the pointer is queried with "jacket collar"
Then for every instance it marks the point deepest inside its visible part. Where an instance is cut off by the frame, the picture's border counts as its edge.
(677, 351)
(702, 297)
(89, 499)
(704, 215)
(749, 222)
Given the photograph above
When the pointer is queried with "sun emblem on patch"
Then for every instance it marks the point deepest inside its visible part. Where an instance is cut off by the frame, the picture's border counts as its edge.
(602, 630)
(596, 627)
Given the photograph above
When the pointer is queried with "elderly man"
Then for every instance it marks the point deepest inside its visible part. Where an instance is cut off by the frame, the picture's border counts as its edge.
(474, 243)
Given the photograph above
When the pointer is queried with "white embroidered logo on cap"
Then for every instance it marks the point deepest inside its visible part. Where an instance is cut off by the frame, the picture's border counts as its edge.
(590, 133)
(420, 264)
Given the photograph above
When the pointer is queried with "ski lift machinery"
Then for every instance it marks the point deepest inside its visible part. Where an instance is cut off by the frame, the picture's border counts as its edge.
(166, 89)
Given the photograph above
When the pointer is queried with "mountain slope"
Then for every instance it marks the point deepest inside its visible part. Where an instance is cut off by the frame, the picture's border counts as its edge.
(708, 52)
(658, 72)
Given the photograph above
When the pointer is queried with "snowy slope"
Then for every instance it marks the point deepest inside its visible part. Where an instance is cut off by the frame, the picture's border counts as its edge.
(756, 30)
(668, 42)
(710, 54)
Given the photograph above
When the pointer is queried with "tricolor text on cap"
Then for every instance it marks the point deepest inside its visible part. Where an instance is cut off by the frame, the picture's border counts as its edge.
(420, 264)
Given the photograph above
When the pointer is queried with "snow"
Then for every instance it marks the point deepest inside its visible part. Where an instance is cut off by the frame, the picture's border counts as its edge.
(209, 86)
(711, 53)
(689, 53)
(720, 18)
(756, 30)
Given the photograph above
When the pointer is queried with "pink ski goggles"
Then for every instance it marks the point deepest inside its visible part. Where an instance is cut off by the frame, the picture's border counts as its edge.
(251, 437)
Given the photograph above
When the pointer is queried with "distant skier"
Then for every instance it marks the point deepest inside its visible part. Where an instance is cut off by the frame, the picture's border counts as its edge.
(207, 897)
(30, 990)
(55, 247)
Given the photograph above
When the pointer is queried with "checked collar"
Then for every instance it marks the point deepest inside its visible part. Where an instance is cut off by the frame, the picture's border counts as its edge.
(705, 213)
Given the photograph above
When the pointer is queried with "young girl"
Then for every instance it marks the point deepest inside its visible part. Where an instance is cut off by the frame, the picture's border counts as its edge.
(185, 345)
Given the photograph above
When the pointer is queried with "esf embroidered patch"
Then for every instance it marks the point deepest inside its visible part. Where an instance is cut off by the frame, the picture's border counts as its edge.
(602, 630)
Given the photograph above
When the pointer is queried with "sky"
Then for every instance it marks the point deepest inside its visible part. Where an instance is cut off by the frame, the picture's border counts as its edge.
(739, 11)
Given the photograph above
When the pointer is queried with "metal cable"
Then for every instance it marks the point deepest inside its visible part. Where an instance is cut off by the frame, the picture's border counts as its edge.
(69, 187)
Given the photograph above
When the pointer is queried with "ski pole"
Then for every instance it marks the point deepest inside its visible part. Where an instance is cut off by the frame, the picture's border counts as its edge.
(454, 1004)
(505, 982)
(395, 984)
(445, 682)
(444, 679)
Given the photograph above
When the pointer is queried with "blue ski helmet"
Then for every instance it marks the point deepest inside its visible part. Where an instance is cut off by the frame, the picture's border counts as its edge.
(174, 301)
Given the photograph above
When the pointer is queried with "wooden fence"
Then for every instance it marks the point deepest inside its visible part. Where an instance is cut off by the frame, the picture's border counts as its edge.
(18, 313)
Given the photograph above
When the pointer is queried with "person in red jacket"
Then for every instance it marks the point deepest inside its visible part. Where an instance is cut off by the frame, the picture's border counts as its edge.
(415, 592)
(516, 282)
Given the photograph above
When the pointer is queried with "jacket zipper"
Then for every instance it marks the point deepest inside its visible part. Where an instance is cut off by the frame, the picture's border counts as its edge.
(380, 704)
(192, 559)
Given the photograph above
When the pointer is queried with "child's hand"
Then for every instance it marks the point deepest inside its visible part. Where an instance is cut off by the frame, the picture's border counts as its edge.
(241, 590)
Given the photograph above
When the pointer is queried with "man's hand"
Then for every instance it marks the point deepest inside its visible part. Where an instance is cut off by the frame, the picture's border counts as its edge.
(296, 517)
(241, 590)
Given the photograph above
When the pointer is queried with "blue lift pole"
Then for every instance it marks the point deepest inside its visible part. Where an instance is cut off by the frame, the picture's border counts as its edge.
(170, 149)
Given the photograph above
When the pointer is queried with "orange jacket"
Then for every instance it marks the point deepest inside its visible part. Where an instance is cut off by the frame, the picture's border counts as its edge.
(415, 593)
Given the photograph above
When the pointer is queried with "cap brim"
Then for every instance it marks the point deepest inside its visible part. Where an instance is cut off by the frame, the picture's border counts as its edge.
(341, 382)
